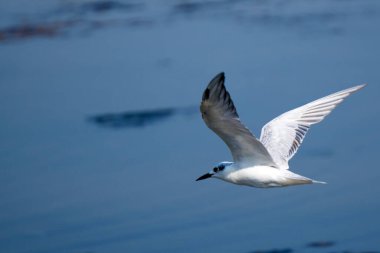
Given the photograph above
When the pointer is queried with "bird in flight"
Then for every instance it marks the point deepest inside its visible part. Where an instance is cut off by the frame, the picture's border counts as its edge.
(262, 162)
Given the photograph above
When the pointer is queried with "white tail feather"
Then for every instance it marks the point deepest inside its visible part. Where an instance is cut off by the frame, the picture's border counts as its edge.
(318, 182)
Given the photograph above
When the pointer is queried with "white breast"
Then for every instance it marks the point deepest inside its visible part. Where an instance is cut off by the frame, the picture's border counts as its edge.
(265, 176)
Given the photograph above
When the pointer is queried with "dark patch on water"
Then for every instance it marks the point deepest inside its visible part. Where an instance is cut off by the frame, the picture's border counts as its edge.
(286, 250)
(193, 7)
(348, 251)
(97, 7)
(91, 15)
(27, 30)
(137, 119)
(105, 6)
(321, 244)
(76, 15)
(314, 244)
(56, 28)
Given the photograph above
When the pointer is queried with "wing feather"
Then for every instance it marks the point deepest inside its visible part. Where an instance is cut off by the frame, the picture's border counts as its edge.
(283, 135)
(220, 115)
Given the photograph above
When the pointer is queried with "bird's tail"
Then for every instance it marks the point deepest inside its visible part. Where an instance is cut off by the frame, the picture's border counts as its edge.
(294, 179)
(318, 182)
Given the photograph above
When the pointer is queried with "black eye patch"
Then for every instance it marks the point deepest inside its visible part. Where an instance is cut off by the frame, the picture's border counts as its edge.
(216, 169)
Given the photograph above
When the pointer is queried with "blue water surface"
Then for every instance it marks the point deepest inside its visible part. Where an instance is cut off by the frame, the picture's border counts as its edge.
(71, 184)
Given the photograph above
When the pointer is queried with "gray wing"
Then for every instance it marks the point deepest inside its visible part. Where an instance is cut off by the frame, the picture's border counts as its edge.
(283, 135)
(219, 113)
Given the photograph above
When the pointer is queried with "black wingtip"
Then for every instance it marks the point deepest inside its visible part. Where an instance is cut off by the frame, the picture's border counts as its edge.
(220, 76)
(218, 79)
(206, 94)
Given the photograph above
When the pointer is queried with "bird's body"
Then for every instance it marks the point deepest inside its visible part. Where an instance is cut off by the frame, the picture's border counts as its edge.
(261, 162)
(261, 176)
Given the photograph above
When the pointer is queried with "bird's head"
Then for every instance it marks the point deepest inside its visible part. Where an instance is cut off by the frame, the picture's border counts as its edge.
(218, 171)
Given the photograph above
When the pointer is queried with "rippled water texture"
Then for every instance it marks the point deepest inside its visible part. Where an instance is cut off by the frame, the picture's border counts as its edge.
(101, 139)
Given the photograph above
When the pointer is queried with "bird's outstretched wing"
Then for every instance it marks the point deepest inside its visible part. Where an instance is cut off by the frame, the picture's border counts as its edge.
(283, 135)
(219, 113)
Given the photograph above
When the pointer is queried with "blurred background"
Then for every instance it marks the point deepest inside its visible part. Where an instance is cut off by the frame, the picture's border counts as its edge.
(101, 139)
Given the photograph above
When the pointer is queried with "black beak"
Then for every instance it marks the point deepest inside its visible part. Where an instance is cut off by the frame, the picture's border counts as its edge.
(208, 175)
